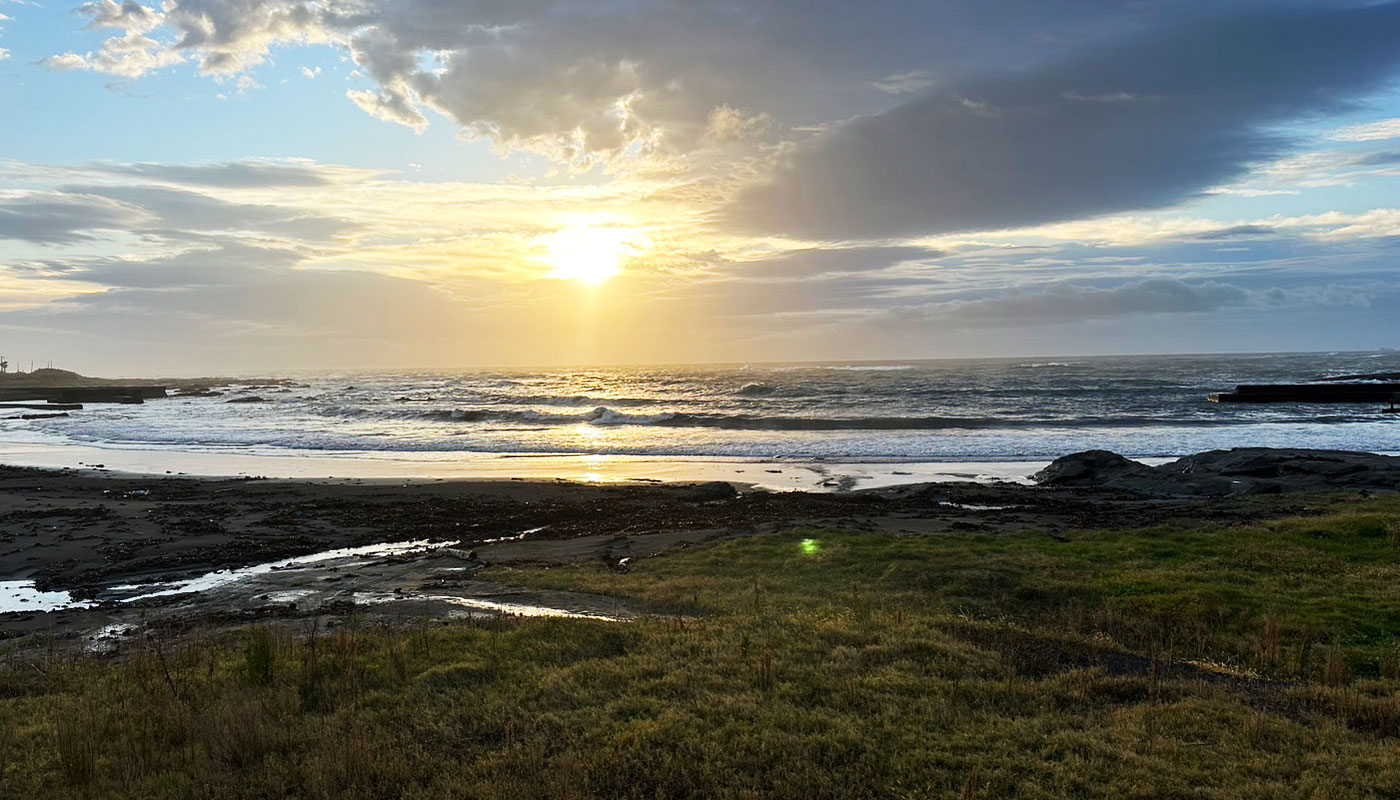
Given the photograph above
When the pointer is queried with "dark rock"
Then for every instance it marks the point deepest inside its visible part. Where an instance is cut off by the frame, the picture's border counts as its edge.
(1245, 470)
(252, 398)
(1101, 470)
(711, 491)
(1294, 468)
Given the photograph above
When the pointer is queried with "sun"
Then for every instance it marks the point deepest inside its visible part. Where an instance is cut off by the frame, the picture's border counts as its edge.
(589, 254)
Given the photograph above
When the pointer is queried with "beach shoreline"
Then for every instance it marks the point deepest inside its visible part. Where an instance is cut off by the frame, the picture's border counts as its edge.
(772, 474)
(84, 550)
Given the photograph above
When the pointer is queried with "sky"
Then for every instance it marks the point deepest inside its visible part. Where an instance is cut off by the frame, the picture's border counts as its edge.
(233, 186)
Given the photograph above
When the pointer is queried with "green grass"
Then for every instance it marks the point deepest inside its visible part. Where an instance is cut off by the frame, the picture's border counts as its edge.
(805, 665)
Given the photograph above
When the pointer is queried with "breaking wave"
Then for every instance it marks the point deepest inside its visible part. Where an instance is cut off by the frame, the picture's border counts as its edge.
(756, 390)
(1038, 406)
(603, 416)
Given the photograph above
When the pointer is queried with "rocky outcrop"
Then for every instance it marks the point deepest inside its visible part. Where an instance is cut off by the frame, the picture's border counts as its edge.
(1293, 468)
(1245, 470)
(1091, 468)
(711, 491)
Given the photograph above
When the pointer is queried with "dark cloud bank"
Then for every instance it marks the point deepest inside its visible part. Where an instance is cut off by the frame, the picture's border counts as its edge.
(1143, 124)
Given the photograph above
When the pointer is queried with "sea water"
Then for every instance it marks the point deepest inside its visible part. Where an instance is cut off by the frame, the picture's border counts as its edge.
(837, 412)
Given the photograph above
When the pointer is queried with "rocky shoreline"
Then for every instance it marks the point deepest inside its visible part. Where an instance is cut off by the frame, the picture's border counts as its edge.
(1216, 473)
(149, 552)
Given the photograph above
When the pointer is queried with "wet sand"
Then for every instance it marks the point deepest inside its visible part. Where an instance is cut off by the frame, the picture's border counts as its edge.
(137, 553)
(774, 474)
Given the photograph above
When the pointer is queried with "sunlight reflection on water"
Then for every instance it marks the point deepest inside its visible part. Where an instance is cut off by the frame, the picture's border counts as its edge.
(16, 596)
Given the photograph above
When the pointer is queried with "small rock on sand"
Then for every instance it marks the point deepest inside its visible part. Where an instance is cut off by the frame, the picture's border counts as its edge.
(711, 491)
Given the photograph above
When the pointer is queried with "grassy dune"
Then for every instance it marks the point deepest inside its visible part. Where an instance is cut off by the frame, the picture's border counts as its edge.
(1244, 662)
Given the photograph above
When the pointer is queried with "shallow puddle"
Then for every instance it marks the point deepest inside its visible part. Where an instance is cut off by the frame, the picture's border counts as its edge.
(17, 596)
(495, 607)
(308, 579)
(224, 577)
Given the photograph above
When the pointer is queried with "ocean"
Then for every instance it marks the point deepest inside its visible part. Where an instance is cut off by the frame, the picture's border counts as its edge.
(947, 411)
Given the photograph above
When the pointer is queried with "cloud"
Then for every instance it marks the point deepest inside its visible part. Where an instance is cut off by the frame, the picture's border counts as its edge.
(1068, 302)
(186, 210)
(584, 82)
(76, 204)
(130, 55)
(1162, 229)
(127, 16)
(1380, 159)
(231, 36)
(343, 217)
(1370, 132)
(1243, 230)
(814, 262)
(63, 218)
(1139, 125)
(217, 261)
(1334, 166)
(66, 62)
(245, 174)
(391, 106)
(910, 82)
(727, 124)
(231, 315)
(266, 253)
(1063, 302)
(1332, 226)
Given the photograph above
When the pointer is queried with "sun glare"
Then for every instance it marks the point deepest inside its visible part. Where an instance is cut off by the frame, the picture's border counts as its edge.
(588, 254)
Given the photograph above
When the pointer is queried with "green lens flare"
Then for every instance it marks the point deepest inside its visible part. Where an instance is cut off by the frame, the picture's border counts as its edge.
(810, 547)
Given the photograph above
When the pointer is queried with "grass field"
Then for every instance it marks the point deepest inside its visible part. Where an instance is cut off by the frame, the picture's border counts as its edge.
(1246, 662)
